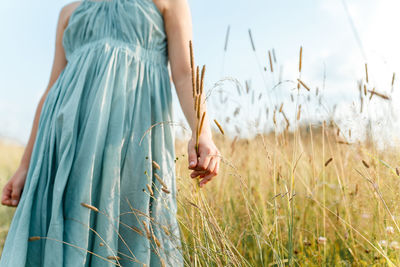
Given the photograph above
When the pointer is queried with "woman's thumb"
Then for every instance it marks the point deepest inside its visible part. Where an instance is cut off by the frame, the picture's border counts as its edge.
(192, 157)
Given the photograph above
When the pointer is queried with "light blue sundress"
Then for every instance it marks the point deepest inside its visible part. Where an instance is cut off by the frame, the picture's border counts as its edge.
(100, 189)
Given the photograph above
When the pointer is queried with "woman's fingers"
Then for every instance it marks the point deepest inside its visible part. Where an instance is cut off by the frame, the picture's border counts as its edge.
(194, 174)
(216, 169)
(205, 166)
(11, 194)
(204, 161)
(210, 172)
(207, 162)
(16, 194)
(6, 197)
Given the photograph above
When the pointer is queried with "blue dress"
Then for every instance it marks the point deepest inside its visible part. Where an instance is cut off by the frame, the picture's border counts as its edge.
(100, 189)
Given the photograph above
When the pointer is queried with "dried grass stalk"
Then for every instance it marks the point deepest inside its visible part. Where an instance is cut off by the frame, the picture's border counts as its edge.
(328, 161)
(252, 41)
(137, 230)
(301, 59)
(192, 68)
(299, 112)
(202, 122)
(270, 61)
(383, 96)
(155, 165)
(166, 231)
(343, 142)
(393, 78)
(303, 84)
(34, 238)
(156, 241)
(365, 164)
(227, 38)
(150, 190)
(160, 180)
(198, 106)
(90, 207)
(197, 80)
(274, 55)
(115, 258)
(219, 126)
(146, 229)
(165, 190)
(203, 70)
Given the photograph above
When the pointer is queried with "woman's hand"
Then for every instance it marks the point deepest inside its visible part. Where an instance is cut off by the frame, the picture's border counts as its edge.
(206, 163)
(13, 189)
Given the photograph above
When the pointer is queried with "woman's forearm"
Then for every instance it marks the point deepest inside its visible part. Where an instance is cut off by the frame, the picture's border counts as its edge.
(185, 94)
(29, 147)
(59, 64)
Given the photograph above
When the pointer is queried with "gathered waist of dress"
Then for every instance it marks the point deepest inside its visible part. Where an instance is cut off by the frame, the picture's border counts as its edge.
(138, 51)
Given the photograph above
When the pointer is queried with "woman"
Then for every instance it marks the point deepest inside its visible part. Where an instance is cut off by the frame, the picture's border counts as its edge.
(95, 187)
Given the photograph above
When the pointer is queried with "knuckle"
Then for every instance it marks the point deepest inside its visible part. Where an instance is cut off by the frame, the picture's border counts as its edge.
(202, 166)
(15, 190)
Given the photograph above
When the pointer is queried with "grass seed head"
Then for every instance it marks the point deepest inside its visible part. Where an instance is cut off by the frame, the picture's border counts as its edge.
(34, 238)
(270, 61)
(155, 165)
(301, 59)
(303, 84)
(365, 164)
(115, 258)
(165, 190)
(160, 180)
(90, 207)
(150, 190)
(219, 126)
(328, 161)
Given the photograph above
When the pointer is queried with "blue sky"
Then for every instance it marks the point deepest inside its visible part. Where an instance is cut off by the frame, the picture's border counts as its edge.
(321, 27)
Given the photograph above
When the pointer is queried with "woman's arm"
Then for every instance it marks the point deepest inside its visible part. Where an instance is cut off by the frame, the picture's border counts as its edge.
(178, 26)
(13, 189)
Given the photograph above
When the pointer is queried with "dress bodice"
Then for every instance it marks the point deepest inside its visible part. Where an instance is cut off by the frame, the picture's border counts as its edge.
(134, 25)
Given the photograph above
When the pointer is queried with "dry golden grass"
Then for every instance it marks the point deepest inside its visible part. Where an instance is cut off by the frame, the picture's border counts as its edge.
(306, 197)
(299, 198)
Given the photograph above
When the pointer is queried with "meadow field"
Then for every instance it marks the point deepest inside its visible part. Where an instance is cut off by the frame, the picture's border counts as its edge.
(306, 192)
(303, 198)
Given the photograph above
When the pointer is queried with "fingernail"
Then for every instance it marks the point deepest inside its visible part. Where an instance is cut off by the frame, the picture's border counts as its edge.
(191, 163)
(14, 202)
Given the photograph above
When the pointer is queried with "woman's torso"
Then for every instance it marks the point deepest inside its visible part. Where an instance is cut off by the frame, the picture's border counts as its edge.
(135, 25)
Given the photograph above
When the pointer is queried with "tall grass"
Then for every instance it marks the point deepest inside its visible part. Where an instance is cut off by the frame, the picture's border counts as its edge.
(302, 198)
(297, 198)
(302, 194)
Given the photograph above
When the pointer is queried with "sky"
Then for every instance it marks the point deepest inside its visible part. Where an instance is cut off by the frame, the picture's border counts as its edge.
(338, 37)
